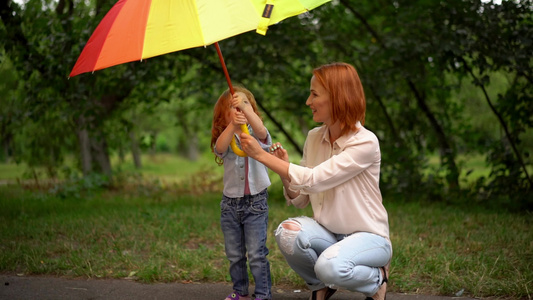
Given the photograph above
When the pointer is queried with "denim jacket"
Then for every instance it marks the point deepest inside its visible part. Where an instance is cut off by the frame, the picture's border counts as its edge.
(234, 170)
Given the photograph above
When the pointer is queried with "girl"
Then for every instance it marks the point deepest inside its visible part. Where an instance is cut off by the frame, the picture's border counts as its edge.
(244, 208)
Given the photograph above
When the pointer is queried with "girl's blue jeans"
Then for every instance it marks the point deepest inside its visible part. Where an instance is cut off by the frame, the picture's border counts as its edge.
(244, 223)
(323, 258)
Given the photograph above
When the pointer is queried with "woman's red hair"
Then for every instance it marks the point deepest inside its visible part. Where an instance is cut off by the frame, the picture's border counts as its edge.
(348, 104)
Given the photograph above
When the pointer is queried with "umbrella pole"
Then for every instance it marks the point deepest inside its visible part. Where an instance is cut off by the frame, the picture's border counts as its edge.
(244, 128)
(224, 68)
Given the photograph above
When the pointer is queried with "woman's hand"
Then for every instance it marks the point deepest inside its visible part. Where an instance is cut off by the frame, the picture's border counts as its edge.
(277, 150)
(250, 145)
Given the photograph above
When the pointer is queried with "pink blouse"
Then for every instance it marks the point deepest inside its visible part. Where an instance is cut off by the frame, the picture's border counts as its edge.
(341, 182)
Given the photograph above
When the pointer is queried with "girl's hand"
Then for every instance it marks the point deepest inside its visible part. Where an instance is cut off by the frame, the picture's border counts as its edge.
(240, 101)
(277, 150)
(239, 119)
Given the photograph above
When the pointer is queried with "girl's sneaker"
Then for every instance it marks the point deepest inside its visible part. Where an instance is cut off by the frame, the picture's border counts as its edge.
(235, 296)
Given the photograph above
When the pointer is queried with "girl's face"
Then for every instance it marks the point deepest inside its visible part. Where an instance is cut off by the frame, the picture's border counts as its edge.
(230, 113)
(319, 102)
(243, 98)
(232, 110)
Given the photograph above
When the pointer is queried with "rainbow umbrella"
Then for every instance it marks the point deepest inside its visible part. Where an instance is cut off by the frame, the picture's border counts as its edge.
(134, 30)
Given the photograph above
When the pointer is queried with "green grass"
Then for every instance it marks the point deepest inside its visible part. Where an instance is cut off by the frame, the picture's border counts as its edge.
(168, 166)
(447, 249)
(164, 166)
(10, 171)
(150, 231)
(115, 235)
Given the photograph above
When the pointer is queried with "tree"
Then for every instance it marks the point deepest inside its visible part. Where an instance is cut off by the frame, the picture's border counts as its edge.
(8, 113)
(414, 58)
(43, 40)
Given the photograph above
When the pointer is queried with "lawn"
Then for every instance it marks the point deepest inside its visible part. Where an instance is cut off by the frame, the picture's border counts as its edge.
(155, 230)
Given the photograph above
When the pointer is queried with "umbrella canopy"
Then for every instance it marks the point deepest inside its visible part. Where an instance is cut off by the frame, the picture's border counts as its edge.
(138, 29)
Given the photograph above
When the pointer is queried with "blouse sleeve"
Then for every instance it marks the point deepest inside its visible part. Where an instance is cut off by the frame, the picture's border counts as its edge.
(301, 201)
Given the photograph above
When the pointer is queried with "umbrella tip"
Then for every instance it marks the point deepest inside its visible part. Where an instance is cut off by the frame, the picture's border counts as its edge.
(265, 17)
(262, 31)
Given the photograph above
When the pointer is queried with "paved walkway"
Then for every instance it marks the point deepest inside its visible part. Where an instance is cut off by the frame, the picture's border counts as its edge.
(52, 288)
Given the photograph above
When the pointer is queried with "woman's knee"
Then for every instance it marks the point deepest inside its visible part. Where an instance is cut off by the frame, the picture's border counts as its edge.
(286, 235)
(327, 266)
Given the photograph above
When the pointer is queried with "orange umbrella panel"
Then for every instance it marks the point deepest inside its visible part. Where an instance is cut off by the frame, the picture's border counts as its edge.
(113, 32)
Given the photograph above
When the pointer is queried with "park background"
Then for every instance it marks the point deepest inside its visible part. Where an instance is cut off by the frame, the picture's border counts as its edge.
(110, 174)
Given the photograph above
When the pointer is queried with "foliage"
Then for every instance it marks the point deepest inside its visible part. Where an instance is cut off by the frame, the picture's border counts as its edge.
(446, 78)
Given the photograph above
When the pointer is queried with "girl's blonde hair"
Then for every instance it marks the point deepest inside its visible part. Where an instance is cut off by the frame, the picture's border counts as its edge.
(348, 104)
(222, 108)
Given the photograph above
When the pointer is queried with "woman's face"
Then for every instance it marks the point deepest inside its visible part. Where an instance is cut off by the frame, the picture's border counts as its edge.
(319, 102)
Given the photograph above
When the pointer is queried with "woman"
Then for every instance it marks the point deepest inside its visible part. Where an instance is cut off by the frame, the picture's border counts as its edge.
(346, 244)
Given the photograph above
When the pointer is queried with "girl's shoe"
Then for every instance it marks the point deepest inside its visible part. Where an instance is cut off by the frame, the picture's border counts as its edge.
(253, 295)
(382, 292)
(235, 296)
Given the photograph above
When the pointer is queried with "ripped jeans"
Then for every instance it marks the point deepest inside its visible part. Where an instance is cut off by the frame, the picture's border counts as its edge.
(323, 258)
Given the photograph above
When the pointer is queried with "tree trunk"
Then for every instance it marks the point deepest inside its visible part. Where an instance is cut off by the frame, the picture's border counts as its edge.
(121, 154)
(6, 152)
(153, 138)
(192, 147)
(188, 146)
(101, 155)
(135, 150)
(502, 122)
(85, 149)
(447, 153)
(280, 127)
(6, 145)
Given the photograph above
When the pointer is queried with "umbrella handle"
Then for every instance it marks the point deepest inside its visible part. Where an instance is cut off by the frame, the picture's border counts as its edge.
(244, 128)
(233, 143)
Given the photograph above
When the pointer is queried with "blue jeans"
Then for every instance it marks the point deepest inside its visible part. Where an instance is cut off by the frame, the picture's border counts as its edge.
(244, 224)
(323, 258)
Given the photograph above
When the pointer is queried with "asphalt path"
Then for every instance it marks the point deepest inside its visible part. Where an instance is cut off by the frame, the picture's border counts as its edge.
(54, 288)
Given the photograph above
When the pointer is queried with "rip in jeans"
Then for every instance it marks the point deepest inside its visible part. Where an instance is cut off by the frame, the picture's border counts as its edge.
(287, 232)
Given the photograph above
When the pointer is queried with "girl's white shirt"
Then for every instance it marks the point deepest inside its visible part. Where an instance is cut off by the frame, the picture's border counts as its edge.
(234, 170)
